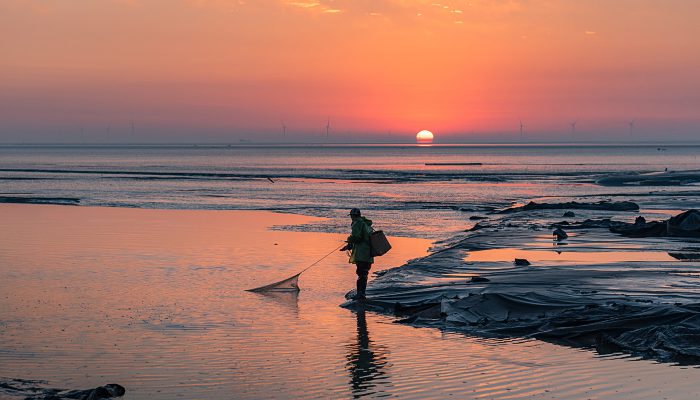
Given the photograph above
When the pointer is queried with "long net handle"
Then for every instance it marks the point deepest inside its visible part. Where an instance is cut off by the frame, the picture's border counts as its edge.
(294, 285)
(324, 257)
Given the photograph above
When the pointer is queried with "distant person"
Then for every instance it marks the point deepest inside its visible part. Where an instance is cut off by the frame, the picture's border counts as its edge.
(358, 244)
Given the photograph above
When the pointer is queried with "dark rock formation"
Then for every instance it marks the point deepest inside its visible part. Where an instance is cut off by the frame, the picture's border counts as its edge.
(521, 262)
(477, 226)
(108, 391)
(560, 234)
(646, 229)
(601, 205)
(32, 390)
(685, 256)
(587, 224)
(685, 224)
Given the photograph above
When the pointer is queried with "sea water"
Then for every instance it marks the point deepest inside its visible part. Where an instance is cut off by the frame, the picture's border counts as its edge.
(415, 191)
(149, 292)
(155, 300)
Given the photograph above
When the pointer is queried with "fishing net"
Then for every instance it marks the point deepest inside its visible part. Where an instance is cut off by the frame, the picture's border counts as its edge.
(290, 284)
(286, 285)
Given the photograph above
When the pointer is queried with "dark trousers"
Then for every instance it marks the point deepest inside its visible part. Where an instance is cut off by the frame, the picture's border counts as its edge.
(362, 272)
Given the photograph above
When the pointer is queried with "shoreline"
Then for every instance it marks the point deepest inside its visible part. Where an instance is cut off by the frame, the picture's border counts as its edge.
(610, 297)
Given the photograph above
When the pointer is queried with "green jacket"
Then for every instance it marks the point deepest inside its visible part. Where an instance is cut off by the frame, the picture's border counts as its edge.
(359, 238)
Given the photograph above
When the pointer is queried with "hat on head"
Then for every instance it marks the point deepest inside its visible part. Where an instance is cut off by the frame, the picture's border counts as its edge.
(355, 211)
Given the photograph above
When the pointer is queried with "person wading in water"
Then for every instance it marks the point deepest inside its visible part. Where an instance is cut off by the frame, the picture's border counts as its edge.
(358, 244)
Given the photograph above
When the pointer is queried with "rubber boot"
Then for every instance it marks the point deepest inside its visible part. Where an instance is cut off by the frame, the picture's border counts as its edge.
(361, 287)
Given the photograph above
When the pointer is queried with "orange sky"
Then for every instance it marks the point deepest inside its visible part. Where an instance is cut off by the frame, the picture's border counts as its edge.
(219, 70)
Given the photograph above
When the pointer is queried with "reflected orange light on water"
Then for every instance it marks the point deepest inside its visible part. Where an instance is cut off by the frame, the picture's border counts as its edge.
(168, 285)
(145, 297)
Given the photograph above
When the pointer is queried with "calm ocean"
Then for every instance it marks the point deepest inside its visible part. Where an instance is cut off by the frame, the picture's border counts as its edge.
(150, 291)
(420, 191)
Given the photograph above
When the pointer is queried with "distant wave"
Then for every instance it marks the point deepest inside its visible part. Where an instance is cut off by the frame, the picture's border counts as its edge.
(379, 176)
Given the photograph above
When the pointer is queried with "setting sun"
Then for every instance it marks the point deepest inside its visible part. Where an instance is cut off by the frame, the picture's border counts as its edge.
(424, 136)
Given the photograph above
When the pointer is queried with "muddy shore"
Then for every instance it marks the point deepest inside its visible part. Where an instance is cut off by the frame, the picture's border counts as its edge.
(595, 289)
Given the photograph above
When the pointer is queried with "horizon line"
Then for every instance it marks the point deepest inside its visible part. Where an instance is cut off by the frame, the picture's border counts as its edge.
(363, 143)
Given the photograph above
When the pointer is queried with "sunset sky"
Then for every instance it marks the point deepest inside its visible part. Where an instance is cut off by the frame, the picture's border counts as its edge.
(225, 70)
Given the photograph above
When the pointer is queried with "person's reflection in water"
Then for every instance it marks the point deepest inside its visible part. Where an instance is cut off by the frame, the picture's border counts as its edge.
(366, 361)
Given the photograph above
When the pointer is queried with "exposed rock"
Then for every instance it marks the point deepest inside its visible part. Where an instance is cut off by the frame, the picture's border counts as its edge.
(685, 256)
(477, 226)
(521, 262)
(32, 390)
(108, 391)
(479, 279)
(587, 224)
(569, 214)
(601, 205)
(646, 229)
(560, 234)
(477, 218)
(685, 224)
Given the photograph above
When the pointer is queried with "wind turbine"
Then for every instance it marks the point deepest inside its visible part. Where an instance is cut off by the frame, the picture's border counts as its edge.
(284, 129)
(573, 127)
(328, 127)
(631, 124)
(522, 130)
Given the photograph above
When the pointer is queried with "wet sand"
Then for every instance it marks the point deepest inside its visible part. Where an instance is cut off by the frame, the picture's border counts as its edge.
(154, 300)
(595, 289)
